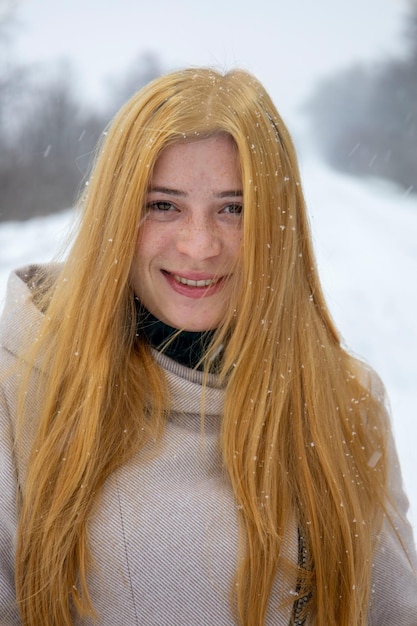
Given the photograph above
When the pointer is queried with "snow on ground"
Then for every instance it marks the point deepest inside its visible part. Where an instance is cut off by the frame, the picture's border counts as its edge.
(32, 241)
(366, 244)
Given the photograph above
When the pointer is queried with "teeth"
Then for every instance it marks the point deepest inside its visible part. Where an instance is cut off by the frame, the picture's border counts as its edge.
(195, 283)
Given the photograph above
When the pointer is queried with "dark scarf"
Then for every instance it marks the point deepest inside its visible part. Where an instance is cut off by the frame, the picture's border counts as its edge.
(185, 347)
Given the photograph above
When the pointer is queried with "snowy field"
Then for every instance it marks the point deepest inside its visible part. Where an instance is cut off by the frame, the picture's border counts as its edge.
(366, 244)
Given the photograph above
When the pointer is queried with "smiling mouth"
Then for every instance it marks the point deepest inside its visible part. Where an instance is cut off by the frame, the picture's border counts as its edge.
(195, 283)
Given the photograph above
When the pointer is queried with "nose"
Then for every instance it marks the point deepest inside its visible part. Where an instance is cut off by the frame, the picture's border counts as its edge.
(199, 239)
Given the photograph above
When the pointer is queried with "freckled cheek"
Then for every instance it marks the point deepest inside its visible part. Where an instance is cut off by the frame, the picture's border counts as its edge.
(151, 241)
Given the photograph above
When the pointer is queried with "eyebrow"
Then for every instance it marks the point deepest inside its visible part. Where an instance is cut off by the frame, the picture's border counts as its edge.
(232, 193)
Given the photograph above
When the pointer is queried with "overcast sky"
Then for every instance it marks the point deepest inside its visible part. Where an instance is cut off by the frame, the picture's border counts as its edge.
(287, 44)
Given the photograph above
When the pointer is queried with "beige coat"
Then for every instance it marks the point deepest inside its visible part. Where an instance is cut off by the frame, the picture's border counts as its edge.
(164, 534)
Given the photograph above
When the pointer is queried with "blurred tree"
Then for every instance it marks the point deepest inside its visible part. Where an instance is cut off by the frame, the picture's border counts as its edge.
(49, 142)
(48, 137)
(12, 77)
(365, 119)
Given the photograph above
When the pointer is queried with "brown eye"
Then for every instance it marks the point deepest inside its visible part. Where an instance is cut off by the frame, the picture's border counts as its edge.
(234, 209)
(160, 206)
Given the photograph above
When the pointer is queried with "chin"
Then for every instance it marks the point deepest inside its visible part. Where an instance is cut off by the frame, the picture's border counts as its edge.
(196, 328)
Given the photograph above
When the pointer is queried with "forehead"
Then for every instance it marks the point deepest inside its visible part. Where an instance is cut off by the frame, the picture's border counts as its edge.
(211, 157)
(222, 142)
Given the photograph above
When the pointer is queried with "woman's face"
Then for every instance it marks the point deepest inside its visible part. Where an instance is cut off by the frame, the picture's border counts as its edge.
(188, 244)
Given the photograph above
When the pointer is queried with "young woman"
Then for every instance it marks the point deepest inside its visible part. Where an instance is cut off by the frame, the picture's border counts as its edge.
(183, 438)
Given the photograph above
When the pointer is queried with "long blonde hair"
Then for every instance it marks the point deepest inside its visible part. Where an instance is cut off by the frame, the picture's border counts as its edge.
(299, 422)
